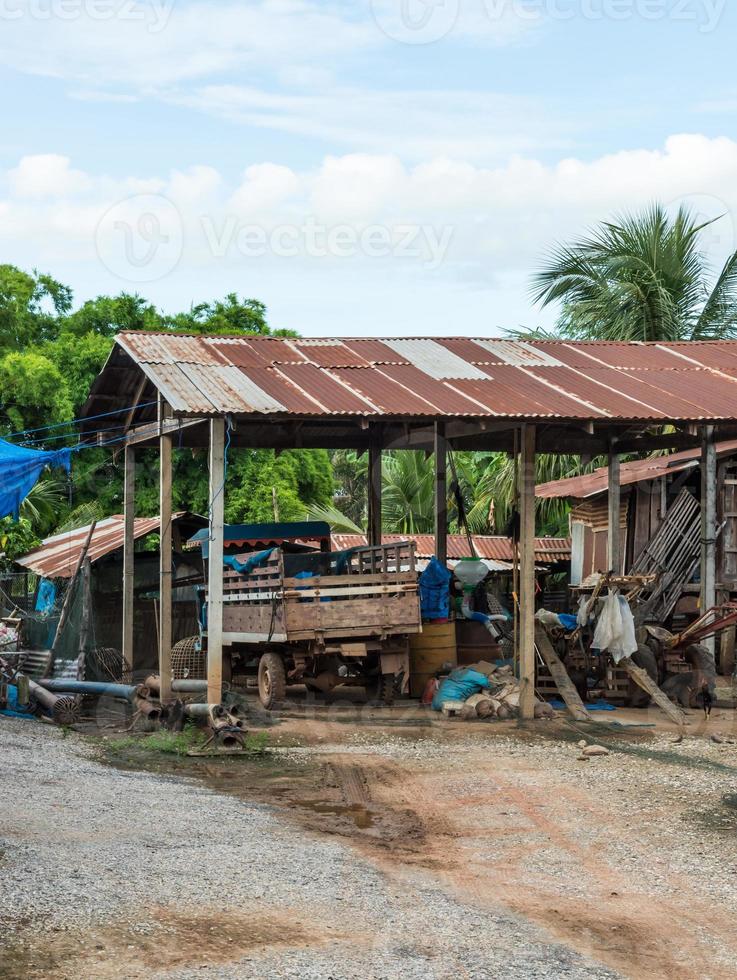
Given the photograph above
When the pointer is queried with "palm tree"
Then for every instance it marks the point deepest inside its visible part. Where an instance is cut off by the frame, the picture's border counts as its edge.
(641, 277)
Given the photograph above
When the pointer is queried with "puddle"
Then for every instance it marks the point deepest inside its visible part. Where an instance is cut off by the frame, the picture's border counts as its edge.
(360, 815)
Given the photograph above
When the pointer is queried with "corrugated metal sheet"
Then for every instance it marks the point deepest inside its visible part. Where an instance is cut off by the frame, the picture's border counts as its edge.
(491, 547)
(636, 471)
(57, 556)
(445, 377)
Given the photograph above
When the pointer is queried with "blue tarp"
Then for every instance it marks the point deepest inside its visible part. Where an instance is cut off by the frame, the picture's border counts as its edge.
(20, 468)
(12, 709)
(459, 686)
(434, 594)
(253, 561)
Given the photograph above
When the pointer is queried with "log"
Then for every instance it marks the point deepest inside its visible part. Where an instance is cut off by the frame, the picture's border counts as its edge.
(643, 680)
(568, 692)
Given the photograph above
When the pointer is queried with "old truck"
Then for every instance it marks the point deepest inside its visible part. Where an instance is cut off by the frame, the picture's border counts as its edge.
(295, 612)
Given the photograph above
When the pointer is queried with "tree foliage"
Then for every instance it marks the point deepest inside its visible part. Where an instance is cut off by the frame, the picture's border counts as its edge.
(642, 277)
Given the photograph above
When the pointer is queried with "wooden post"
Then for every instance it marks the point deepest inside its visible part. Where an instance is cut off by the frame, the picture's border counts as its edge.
(374, 485)
(441, 494)
(215, 563)
(614, 549)
(527, 574)
(84, 626)
(129, 516)
(708, 523)
(165, 555)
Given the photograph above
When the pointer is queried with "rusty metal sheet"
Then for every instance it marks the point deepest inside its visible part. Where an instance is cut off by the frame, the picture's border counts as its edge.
(603, 396)
(382, 390)
(335, 398)
(518, 353)
(434, 360)
(489, 547)
(330, 354)
(442, 395)
(510, 391)
(692, 394)
(58, 555)
(178, 390)
(467, 349)
(278, 350)
(276, 386)
(230, 390)
(711, 355)
(375, 351)
(634, 471)
(239, 352)
(155, 348)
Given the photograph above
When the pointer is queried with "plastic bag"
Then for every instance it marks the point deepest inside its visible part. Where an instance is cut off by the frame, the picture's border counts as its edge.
(459, 686)
(626, 643)
(609, 625)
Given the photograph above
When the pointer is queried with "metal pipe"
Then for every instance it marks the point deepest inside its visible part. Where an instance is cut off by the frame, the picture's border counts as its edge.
(96, 688)
(198, 710)
(186, 685)
(62, 708)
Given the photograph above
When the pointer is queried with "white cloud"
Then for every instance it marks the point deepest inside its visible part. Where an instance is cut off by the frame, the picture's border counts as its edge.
(499, 220)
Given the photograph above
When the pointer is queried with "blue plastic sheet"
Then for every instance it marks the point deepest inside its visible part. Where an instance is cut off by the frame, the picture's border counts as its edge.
(459, 686)
(434, 594)
(20, 468)
(46, 596)
(246, 567)
(12, 709)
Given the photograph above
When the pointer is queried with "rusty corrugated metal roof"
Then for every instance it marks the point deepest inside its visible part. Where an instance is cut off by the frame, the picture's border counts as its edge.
(491, 547)
(58, 555)
(439, 377)
(636, 471)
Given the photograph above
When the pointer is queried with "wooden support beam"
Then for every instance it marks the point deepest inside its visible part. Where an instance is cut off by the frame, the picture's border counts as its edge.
(129, 516)
(566, 689)
(165, 552)
(708, 523)
(374, 485)
(215, 563)
(527, 574)
(614, 538)
(441, 494)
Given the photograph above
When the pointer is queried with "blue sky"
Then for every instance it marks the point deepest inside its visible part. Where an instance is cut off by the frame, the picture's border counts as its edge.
(377, 167)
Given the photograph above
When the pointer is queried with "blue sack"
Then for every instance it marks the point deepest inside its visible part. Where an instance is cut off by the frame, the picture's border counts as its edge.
(459, 686)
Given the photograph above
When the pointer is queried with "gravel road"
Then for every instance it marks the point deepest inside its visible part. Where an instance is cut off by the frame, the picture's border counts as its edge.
(109, 873)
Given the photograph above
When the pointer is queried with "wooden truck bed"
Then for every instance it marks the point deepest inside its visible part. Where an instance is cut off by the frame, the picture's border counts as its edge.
(366, 592)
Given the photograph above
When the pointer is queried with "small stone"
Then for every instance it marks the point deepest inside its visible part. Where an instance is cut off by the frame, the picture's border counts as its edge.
(582, 744)
(595, 750)
(718, 739)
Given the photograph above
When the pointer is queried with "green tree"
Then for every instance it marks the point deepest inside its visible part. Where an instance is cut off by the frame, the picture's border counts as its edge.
(229, 316)
(79, 360)
(30, 307)
(642, 277)
(33, 392)
(107, 315)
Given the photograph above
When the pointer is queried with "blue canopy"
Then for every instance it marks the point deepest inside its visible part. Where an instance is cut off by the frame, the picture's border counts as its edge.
(20, 468)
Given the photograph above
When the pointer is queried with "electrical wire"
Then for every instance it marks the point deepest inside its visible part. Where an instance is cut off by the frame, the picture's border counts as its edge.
(80, 421)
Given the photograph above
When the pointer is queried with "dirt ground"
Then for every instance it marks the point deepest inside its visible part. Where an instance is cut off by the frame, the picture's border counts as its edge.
(629, 859)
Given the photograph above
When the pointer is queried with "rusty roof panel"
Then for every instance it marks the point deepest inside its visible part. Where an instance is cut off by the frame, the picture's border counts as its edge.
(169, 349)
(58, 555)
(645, 387)
(543, 399)
(595, 393)
(334, 397)
(276, 386)
(239, 352)
(718, 356)
(331, 355)
(434, 360)
(635, 471)
(490, 547)
(443, 396)
(375, 351)
(182, 394)
(452, 376)
(383, 391)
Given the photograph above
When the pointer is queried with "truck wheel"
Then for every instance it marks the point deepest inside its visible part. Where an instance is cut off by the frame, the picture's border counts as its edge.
(272, 680)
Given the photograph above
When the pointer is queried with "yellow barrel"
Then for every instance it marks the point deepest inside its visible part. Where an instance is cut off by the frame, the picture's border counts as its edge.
(428, 651)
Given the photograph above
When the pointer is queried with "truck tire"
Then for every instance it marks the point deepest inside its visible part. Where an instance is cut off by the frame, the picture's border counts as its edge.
(272, 680)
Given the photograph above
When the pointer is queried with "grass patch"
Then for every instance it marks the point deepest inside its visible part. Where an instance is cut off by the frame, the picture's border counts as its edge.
(164, 742)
